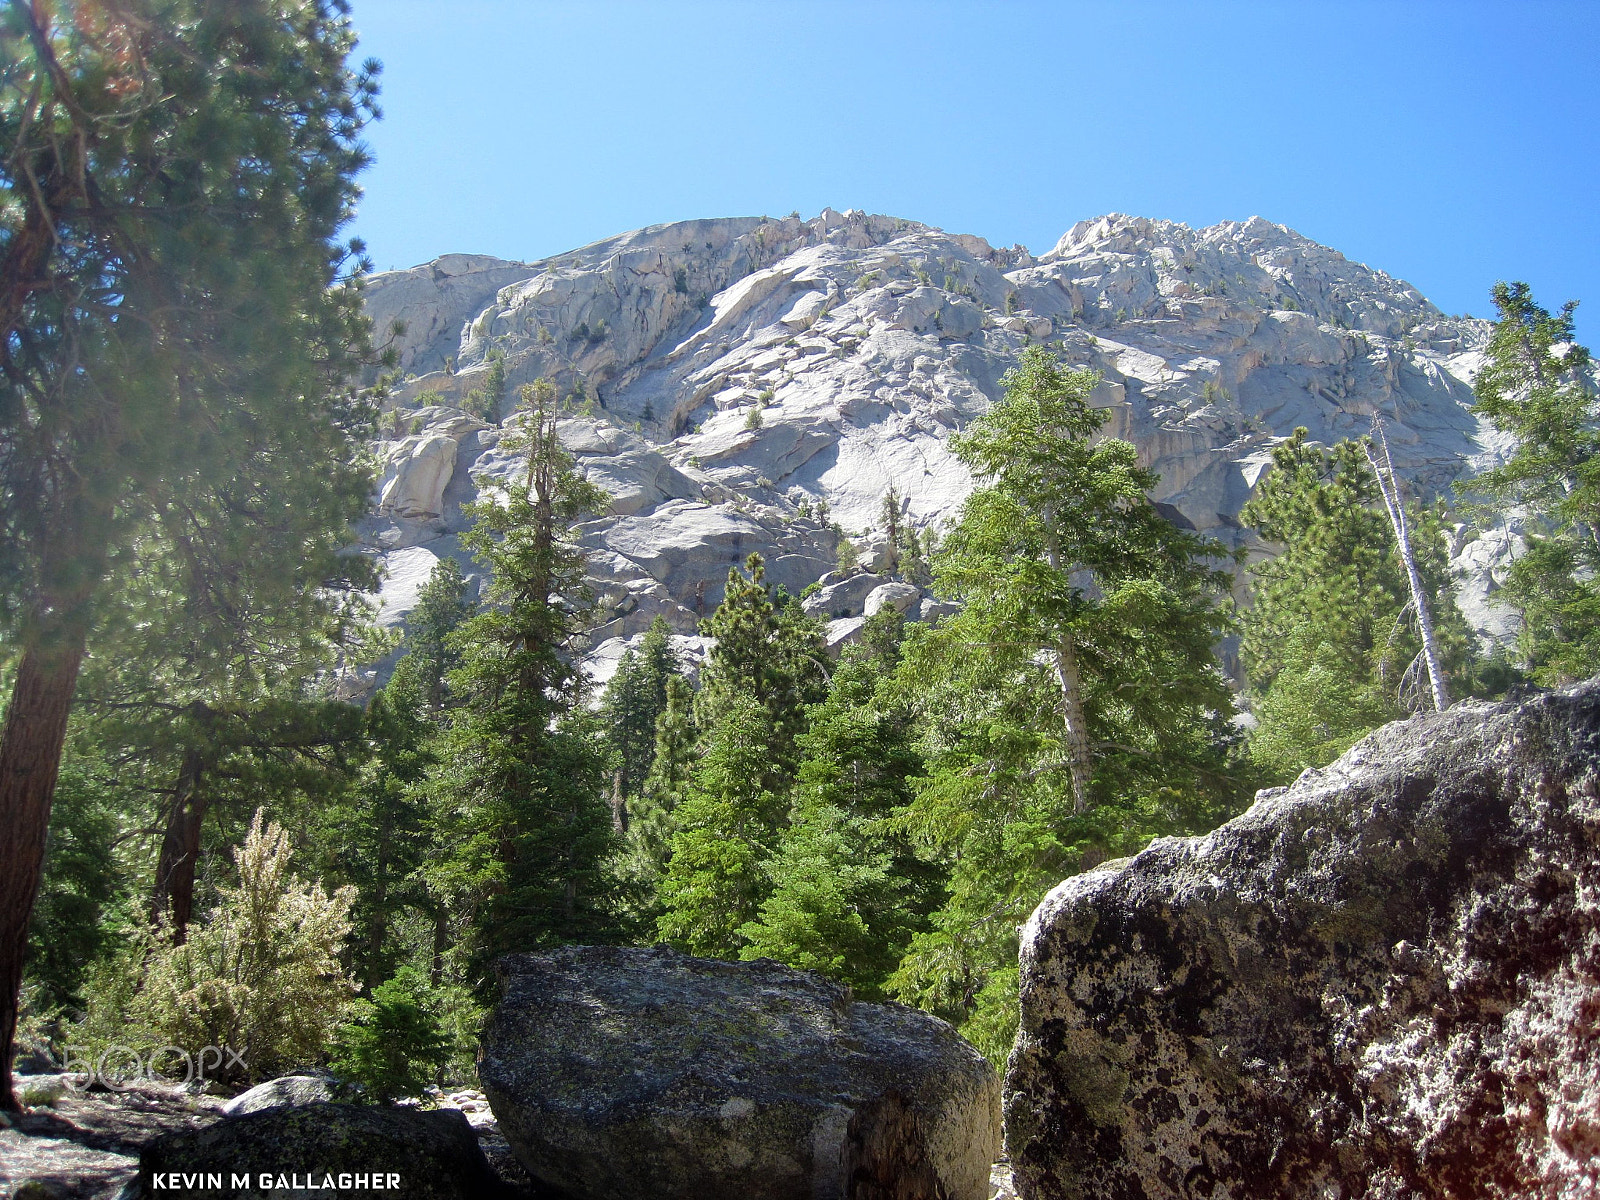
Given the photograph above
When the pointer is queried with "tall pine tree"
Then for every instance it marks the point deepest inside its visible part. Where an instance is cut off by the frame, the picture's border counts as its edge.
(521, 785)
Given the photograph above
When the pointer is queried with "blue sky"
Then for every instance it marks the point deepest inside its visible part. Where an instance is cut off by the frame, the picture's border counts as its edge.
(1450, 144)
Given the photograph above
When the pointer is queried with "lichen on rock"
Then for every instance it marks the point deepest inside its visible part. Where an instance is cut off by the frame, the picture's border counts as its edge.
(634, 1074)
(1383, 981)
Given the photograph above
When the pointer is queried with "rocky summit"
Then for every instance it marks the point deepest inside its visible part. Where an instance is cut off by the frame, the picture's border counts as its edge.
(1380, 982)
(622, 1073)
(748, 384)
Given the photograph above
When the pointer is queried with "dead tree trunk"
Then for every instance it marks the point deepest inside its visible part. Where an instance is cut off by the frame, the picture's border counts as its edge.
(1390, 488)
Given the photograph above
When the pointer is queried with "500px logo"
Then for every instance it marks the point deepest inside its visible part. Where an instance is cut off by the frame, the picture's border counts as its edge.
(122, 1067)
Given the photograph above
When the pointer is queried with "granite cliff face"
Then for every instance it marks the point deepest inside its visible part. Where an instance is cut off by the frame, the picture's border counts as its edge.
(751, 382)
(1381, 982)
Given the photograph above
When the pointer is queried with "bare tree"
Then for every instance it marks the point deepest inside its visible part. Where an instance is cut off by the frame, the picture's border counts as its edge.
(1389, 486)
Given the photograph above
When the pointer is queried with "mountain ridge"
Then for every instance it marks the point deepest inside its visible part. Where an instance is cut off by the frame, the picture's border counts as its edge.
(747, 383)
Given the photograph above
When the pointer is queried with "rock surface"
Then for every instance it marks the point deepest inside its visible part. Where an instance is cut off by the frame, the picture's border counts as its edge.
(1381, 982)
(280, 1093)
(435, 1154)
(633, 1074)
(750, 383)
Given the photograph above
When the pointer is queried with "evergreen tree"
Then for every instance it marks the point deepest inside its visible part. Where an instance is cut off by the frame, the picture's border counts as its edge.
(1073, 707)
(652, 814)
(377, 833)
(769, 652)
(727, 827)
(848, 891)
(522, 772)
(1328, 645)
(443, 603)
(634, 701)
(175, 330)
(1537, 384)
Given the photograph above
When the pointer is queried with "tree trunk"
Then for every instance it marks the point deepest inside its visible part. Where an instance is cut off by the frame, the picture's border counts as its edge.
(1079, 760)
(1402, 535)
(180, 849)
(619, 805)
(30, 761)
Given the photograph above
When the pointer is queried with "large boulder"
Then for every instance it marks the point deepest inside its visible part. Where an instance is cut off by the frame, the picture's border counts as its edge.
(634, 1074)
(283, 1092)
(1381, 982)
(336, 1151)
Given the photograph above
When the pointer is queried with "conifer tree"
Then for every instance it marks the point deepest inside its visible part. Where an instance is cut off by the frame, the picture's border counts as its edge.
(1537, 384)
(423, 672)
(652, 813)
(769, 652)
(1329, 645)
(176, 330)
(848, 891)
(726, 828)
(1074, 706)
(522, 774)
(634, 701)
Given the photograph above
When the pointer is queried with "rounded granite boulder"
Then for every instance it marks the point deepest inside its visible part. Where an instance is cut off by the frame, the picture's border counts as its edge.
(644, 1074)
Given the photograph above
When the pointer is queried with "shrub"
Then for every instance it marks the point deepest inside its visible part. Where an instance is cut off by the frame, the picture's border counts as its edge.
(262, 975)
(752, 419)
(396, 1044)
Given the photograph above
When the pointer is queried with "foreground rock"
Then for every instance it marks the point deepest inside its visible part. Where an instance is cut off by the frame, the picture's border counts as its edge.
(1381, 982)
(284, 1092)
(630, 1074)
(331, 1150)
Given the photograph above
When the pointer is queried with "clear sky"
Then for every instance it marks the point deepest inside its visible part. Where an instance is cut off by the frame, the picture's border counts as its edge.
(1450, 144)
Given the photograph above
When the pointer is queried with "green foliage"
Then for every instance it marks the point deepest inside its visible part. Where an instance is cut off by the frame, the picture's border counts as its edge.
(1328, 638)
(394, 1045)
(377, 834)
(752, 418)
(848, 891)
(770, 653)
(727, 826)
(261, 975)
(634, 702)
(443, 604)
(83, 887)
(1536, 384)
(1073, 708)
(519, 789)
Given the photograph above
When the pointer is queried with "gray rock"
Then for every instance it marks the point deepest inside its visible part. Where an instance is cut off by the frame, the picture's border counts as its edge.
(898, 596)
(633, 1074)
(842, 598)
(1380, 982)
(280, 1093)
(435, 1154)
(864, 342)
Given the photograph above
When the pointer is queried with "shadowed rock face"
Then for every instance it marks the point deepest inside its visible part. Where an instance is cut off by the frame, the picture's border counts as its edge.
(1381, 982)
(631, 1074)
(435, 1155)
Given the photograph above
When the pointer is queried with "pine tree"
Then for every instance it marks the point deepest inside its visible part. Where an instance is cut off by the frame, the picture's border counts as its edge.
(848, 891)
(522, 777)
(727, 827)
(443, 603)
(176, 330)
(1074, 706)
(1537, 384)
(652, 814)
(634, 701)
(769, 652)
(1328, 645)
